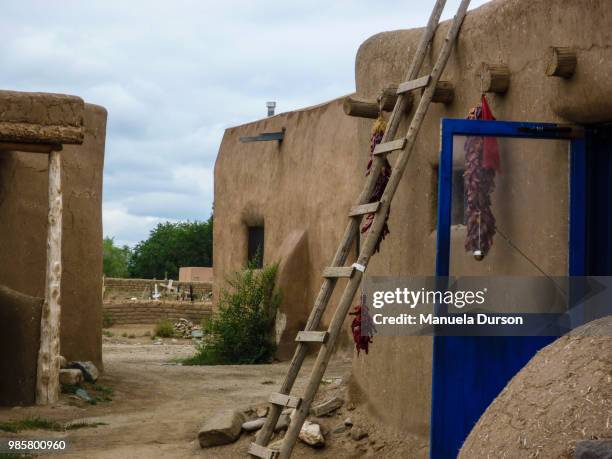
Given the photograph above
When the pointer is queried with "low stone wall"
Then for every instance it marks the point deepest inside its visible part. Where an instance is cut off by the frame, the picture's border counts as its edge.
(116, 289)
(148, 312)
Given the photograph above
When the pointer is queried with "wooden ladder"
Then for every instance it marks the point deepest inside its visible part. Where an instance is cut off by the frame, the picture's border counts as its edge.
(354, 273)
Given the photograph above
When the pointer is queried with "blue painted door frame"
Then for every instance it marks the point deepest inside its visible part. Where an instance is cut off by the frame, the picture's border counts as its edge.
(469, 372)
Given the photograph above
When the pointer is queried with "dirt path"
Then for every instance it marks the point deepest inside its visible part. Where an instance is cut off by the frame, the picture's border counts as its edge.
(157, 406)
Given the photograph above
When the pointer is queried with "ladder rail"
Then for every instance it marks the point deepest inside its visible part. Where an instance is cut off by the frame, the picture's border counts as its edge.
(369, 247)
(352, 228)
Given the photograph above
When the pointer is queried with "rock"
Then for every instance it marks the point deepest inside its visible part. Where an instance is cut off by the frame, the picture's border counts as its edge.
(358, 434)
(350, 406)
(70, 376)
(90, 372)
(63, 362)
(327, 406)
(262, 411)
(197, 333)
(282, 423)
(82, 394)
(311, 434)
(256, 424)
(220, 429)
(340, 428)
(276, 446)
(593, 449)
(348, 422)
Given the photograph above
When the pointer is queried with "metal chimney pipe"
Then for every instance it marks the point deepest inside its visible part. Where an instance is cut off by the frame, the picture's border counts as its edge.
(271, 106)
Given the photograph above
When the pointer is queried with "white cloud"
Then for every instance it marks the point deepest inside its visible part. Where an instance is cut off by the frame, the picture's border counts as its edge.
(174, 75)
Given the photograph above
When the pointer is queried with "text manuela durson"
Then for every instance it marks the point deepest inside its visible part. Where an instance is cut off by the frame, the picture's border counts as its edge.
(451, 319)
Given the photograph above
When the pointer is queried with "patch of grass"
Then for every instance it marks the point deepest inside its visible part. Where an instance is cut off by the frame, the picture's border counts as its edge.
(37, 423)
(16, 456)
(107, 320)
(147, 333)
(164, 328)
(124, 334)
(83, 424)
(69, 388)
(240, 331)
(107, 333)
(103, 389)
(97, 392)
(32, 423)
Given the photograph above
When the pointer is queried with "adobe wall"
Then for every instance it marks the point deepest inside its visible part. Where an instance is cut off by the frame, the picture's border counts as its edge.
(125, 289)
(302, 190)
(149, 312)
(23, 232)
(299, 190)
(530, 201)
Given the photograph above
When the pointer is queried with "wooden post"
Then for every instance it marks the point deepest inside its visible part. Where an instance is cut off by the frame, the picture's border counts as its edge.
(562, 62)
(388, 97)
(47, 376)
(360, 108)
(444, 93)
(495, 78)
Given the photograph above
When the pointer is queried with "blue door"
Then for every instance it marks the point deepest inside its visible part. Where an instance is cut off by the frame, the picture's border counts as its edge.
(469, 372)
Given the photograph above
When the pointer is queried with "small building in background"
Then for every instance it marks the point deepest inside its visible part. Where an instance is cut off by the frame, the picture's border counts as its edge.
(195, 274)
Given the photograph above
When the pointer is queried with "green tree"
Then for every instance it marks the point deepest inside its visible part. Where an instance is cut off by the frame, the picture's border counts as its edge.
(170, 246)
(115, 259)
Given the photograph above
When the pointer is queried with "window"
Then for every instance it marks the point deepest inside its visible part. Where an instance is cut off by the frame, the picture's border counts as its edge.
(256, 245)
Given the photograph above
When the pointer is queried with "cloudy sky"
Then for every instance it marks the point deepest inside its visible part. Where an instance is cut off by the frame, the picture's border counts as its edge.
(174, 74)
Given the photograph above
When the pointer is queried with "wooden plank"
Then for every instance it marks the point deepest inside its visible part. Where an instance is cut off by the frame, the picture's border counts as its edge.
(338, 271)
(263, 452)
(308, 336)
(364, 209)
(327, 406)
(411, 85)
(265, 137)
(388, 147)
(352, 228)
(47, 376)
(288, 401)
(30, 147)
(371, 241)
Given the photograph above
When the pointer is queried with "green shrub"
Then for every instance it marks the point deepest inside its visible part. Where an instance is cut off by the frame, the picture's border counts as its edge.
(107, 320)
(240, 330)
(164, 328)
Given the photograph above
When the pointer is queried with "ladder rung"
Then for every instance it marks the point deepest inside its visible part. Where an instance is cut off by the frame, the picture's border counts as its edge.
(411, 85)
(388, 147)
(364, 209)
(263, 452)
(285, 400)
(307, 336)
(338, 271)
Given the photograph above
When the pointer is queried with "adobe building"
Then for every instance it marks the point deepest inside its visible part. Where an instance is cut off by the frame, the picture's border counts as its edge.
(292, 197)
(31, 122)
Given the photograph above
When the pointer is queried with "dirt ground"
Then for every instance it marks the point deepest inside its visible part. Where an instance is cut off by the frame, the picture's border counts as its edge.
(158, 406)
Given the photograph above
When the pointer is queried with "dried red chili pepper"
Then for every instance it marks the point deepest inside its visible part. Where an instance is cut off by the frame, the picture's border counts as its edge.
(362, 327)
(378, 130)
(482, 161)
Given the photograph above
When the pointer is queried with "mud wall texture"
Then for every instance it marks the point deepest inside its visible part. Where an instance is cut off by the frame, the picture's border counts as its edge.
(23, 232)
(149, 312)
(125, 289)
(301, 190)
